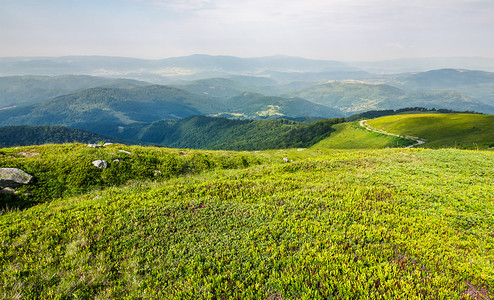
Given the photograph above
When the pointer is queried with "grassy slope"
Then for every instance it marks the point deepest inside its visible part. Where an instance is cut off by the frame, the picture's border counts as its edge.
(394, 223)
(353, 136)
(65, 170)
(465, 131)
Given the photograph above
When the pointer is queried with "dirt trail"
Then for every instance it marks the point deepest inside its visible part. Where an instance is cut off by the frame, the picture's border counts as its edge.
(418, 141)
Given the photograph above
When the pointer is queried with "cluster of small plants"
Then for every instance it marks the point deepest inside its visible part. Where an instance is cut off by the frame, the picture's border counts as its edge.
(372, 224)
(64, 170)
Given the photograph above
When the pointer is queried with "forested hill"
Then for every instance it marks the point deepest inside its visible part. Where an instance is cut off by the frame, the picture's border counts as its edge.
(201, 132)
(106, 110)
(197, 132)
(254, 105)
(25, 90)
(112, 107)
(11, 136)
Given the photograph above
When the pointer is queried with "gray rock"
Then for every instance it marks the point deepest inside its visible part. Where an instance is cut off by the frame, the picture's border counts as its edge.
(7, 190)
(285, 159)
(107, 144)
(94, 146)
(117, 160)
(100, 164)
(13, 177)
(126, 152)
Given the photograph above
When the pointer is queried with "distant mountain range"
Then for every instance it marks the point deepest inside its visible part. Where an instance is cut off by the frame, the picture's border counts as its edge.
(254, 106)
(165, 70)
(271, 76)
(475, 84)
(24, 90)
(223, 88)
(116, 104)
(359, 97)
(200, 66)
(408, 65)
(110, 108)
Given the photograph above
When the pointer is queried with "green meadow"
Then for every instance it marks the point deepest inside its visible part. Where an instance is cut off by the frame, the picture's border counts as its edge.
(180, 224)
(351, 135)
(462, 131)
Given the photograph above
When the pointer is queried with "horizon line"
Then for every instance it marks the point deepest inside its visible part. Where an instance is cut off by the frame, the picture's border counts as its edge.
(244, 57)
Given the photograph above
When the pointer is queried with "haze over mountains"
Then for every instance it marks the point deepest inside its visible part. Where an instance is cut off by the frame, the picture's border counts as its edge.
(475, 84)
(207, 66)
(115, 95)
(188, 67)
(406, 65)
(359, 97)
(24, 90)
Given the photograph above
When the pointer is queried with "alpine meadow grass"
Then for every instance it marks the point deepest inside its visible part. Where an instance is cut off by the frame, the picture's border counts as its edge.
(368, 224)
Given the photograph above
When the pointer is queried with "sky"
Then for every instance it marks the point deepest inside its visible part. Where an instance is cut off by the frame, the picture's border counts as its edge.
(346, 30)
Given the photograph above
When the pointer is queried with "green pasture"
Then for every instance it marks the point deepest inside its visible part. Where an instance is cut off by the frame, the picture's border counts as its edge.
(351, 135)
(343, 224)
(462, 131)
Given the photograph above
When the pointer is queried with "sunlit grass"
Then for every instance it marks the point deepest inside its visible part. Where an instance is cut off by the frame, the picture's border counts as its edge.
(392, 223)
(351, 135)
(463, 131)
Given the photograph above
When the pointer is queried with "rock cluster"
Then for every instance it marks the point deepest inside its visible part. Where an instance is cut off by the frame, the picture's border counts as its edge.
(94, 146)
(100, 164)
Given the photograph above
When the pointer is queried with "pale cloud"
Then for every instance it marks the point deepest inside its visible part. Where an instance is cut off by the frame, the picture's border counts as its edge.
(395, 45)
(334, 29)
(177, 5)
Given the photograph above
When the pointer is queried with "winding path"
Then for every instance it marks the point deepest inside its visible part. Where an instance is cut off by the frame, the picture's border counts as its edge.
(417, 140)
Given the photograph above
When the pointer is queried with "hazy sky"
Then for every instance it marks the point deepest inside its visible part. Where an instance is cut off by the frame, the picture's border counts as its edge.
(326, 29)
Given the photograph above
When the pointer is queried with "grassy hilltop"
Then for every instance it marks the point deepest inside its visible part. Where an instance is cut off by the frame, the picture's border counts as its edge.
(351, 135)
(464, 131)
(391, 223)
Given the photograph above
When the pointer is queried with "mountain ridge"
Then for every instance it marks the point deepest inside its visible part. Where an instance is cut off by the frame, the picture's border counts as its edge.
(360, 97)
(29, 89)
(98, 65)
